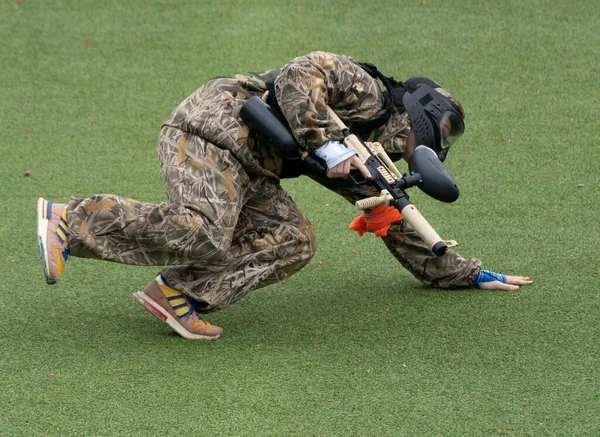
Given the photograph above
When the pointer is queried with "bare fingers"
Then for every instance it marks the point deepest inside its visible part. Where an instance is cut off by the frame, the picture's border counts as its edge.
(519, 280)
(497, 285)
(361, 166)
(336, 171)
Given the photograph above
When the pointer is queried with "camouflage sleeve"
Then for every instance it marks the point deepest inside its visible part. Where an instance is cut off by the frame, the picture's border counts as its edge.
(448, 271)
(308, 84)
(393, 136)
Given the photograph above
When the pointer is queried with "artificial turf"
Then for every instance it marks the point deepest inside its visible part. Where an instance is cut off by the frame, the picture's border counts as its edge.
(351, 345)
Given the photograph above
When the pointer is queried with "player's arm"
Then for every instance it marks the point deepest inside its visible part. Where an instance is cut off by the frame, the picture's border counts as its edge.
(307, 85)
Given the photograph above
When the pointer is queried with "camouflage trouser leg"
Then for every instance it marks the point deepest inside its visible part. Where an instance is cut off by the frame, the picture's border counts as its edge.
(272, 241)
(234, 232)
(206, 187)
(448, 271)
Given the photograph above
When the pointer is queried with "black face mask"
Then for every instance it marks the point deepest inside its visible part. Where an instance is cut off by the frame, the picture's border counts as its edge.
(435, 121)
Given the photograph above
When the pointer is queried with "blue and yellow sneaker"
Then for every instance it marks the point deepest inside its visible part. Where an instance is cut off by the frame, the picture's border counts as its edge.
(177, 310)
(53, 238)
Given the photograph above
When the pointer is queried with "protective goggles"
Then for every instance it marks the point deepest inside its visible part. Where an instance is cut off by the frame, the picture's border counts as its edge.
(435, 121)
(451, 127)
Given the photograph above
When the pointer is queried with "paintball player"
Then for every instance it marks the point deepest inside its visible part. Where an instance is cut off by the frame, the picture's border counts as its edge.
(229, 227)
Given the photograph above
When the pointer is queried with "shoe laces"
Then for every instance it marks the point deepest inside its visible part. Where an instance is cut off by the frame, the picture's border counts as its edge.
(192, 312)
(188, 303)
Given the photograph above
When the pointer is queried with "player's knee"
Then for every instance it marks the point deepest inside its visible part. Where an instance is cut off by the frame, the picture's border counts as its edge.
(207, 243)
(308, 241)
(222, 247)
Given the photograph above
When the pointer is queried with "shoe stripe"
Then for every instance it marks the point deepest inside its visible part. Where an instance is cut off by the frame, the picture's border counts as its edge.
(189, 313)
(60, 233)
(59, 261)
(43, 251)
(174, 297)
(182, 312)
(154, 311)
(41, 208)
(192, 304)
(63, 228)
(167, 291)
(170, 298)
(48, 210)
(66, 252)
(63, 224)
(178, 303)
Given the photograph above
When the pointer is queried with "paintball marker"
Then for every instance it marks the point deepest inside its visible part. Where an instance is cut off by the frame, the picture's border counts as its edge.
(427, 172)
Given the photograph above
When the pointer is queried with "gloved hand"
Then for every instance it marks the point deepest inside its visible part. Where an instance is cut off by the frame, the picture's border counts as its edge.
(495, 281)
(333, 153)
(339, 160)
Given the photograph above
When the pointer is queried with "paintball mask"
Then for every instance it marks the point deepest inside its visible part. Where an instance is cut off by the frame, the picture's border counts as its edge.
(435, 120)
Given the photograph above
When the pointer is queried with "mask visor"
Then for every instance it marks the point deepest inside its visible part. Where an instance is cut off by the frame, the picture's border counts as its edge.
(451, 128)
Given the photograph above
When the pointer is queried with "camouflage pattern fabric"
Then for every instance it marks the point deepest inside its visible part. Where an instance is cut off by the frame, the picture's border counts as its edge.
(228, 227)
(448, 271)
(232, 232)
(308, 84)
(304, 87)
(272, 241)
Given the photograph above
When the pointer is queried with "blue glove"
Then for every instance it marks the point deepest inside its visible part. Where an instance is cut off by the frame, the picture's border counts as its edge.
(487, 276)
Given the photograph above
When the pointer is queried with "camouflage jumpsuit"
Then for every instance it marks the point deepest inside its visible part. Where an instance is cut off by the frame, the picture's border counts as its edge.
(228, 227)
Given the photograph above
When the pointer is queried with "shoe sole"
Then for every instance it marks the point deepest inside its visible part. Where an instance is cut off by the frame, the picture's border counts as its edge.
(42, 227)
(163, 315)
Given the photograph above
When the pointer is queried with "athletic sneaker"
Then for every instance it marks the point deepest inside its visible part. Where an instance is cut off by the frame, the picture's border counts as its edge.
(176, 310)
(53, 238)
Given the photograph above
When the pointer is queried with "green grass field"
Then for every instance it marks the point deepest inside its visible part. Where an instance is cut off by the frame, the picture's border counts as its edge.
(353, 345)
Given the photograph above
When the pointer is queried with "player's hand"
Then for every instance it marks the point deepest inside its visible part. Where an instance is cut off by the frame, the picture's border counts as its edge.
(512, 283)
(493, 281)
(343, 168)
